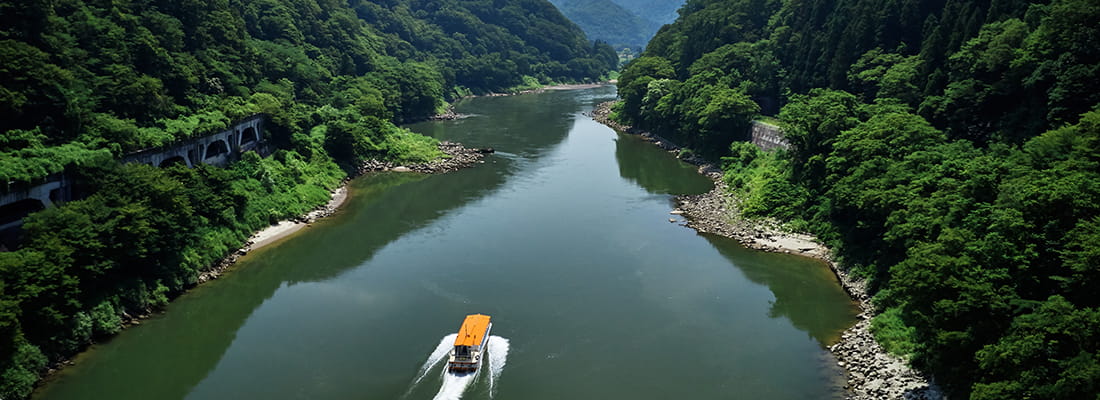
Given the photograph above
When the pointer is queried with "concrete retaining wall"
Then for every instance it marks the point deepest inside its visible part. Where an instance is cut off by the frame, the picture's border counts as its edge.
(768, 136)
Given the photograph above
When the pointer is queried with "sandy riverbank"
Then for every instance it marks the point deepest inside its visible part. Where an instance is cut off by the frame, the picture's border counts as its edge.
(872, 373)
(457, 157)
(285, 228)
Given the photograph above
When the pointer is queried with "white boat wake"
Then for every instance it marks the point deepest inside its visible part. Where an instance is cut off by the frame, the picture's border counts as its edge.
(454, 385)
(498, 356)
(437, 355)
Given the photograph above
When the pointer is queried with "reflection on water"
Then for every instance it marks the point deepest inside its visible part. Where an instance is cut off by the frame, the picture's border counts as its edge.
(562, 237)
(651, 168)
(177, 349)
(823, 311)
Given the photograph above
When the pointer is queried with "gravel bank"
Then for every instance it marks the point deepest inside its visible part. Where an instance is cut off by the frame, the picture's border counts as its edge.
(872, 373)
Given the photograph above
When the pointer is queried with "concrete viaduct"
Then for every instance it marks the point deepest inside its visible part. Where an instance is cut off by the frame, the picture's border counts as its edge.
(16, 204)
(217, 149)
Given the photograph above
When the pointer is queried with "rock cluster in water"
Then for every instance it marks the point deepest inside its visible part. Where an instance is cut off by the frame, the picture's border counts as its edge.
(457, 157)
(449, 115)
(872, 373)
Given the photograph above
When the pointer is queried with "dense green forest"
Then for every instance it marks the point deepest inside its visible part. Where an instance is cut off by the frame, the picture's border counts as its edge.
(609, 22)
(948, 150)
(85, 81)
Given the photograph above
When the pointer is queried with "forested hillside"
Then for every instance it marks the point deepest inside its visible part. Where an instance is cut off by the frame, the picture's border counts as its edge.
(482, 46)
(949, 151)
(609, 22)
(131, 73)
(83, 82)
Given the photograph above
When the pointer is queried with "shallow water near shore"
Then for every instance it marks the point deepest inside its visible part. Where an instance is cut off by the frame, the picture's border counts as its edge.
(563, 236)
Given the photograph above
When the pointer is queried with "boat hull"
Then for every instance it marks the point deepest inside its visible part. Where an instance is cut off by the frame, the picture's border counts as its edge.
(464, 365)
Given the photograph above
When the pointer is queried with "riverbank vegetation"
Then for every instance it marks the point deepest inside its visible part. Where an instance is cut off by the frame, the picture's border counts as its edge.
(948, 151)
(84, 82)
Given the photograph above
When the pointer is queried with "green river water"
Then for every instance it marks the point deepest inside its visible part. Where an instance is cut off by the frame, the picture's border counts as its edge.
(562, 236)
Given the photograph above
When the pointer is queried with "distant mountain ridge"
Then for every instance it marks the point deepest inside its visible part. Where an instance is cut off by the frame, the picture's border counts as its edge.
(620, 23)
(659, 11)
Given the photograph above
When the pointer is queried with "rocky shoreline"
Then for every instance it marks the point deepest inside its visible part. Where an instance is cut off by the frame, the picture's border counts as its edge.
(871, 372)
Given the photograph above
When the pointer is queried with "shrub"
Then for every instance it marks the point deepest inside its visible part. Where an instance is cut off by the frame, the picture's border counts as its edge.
(892, 333)
(18, 377)
(105, 320)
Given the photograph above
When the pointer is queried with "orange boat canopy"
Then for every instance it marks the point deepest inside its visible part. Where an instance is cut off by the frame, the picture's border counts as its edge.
(473, 330)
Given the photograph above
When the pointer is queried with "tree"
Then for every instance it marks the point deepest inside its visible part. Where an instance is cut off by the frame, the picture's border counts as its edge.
(810, 124)
(1050, 353)
(635, 78)
(886, 75)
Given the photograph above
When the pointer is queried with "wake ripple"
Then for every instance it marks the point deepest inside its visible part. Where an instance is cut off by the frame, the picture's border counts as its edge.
(498, 356)
(440, 352)
(454, 385)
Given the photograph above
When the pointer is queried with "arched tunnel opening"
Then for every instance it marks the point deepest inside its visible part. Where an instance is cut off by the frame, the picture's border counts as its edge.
(249, 135)
(216, 149)
(172, 161)
(18, 210)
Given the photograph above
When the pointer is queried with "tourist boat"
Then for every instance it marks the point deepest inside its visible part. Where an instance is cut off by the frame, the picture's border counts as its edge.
(470, 345)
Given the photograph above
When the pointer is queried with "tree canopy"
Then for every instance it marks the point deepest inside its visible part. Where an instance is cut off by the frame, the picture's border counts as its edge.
(947, 151)
(128, 75)
(83, 82)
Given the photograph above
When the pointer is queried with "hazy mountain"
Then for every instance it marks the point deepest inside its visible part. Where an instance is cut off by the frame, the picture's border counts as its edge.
(659, 11)
(607, 21)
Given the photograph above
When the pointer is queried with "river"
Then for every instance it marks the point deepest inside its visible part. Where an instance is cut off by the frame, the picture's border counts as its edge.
(562, 236)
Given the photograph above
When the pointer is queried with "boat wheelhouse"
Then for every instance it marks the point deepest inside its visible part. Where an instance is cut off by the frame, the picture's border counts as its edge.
(470, 345)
